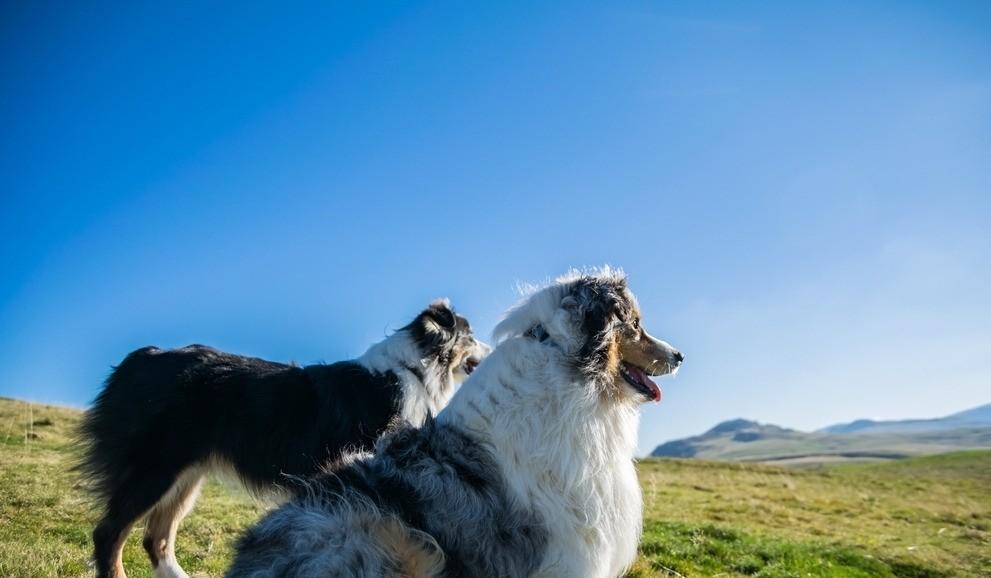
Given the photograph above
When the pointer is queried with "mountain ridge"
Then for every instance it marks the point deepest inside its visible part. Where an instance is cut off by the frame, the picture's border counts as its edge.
(741, 439)
(980, 415)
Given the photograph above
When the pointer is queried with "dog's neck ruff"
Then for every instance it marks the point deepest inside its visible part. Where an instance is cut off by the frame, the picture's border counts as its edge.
(416, 370)
(564, 451)
(426, 385)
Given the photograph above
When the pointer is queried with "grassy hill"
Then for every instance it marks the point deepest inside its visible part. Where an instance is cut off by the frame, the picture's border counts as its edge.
(922, 517)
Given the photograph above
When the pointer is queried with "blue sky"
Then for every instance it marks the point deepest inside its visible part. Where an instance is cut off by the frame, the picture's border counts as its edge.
(801, 194)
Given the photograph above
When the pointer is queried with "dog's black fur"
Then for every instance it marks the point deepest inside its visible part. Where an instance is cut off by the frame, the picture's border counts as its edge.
(436, 480)
(168, 409)
(163, 412)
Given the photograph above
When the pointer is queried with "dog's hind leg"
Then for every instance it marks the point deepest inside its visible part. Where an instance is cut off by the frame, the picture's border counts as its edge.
(163, 523)
(127, 503)
(108, 546)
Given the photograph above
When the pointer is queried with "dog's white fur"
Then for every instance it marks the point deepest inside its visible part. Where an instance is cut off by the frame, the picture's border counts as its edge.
(566, 451)
(548, 426)
(400, 354)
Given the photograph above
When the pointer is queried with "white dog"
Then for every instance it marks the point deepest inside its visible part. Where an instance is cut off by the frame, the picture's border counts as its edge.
(528, 472)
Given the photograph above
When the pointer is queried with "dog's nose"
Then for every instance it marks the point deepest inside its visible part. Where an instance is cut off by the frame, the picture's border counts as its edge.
(679, 357)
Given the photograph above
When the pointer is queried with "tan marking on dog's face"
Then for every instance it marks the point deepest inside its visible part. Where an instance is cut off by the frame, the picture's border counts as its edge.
(467, 353)
(635, 346)
(645, 351)
(464, 348)
(615, 356)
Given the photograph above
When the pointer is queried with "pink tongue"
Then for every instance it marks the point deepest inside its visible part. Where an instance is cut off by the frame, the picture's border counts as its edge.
(640, 376)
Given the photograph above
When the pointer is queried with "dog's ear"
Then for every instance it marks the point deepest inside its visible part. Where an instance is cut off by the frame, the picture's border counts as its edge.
(595, 305)
(439, 316)
(434, 329)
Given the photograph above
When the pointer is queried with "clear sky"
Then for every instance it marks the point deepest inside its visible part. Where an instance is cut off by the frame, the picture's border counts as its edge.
(800, 192)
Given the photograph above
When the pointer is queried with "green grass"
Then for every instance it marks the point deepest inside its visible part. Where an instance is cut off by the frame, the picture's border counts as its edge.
(46, 517)
(928, 516)
(922, 517)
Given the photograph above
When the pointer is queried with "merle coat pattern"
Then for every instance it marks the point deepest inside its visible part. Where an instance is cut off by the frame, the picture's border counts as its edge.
(167, 417)
(528, 472)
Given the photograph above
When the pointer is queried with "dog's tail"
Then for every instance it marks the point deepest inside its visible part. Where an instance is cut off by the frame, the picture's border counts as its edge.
(110, 432)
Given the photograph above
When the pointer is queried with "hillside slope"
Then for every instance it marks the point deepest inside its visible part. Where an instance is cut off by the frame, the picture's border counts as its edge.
(925, 517)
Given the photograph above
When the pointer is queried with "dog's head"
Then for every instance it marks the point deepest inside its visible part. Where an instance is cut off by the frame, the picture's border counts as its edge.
(445, 340)
(595, 319)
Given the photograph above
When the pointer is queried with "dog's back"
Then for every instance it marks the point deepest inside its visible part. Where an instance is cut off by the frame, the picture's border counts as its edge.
(145, 414)
(165, 417)
(167, 409)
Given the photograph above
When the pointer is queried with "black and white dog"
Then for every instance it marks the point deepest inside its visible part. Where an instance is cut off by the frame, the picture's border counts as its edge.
(167, 417)
(527, 472)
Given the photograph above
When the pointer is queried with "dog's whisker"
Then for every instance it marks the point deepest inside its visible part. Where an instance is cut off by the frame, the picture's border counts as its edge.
(653, 364)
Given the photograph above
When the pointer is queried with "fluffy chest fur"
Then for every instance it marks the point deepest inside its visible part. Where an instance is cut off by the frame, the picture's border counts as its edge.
(564, 452)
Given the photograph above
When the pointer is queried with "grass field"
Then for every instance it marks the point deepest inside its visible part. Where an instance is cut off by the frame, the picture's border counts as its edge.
(923, 517)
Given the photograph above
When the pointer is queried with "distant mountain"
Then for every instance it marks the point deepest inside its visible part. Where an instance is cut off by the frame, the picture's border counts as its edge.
(746, 440)
(977, 417)
(980, 415)
(727, 432)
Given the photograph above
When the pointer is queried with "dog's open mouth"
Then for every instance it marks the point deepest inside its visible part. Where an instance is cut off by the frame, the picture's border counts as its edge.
(637, 377)
(470, 364)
